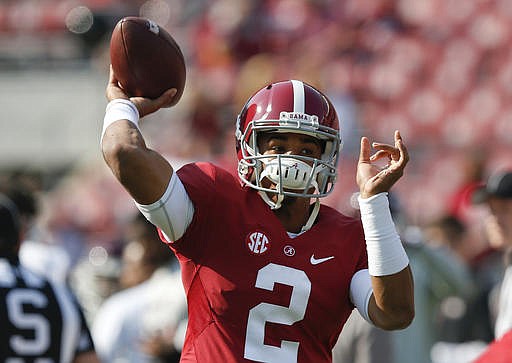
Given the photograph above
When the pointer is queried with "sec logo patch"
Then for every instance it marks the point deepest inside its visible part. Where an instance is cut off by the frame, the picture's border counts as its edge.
(257, 242)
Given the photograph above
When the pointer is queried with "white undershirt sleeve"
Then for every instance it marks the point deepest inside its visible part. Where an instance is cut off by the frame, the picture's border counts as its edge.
(173, 212)
(360, 292)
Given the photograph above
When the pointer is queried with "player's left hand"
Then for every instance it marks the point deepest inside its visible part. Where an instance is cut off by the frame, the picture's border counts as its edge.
(373, 180)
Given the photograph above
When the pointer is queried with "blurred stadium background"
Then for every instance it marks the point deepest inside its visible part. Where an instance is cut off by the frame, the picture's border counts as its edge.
(438, 70)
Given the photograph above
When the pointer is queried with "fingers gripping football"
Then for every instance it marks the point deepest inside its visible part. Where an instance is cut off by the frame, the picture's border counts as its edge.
(144, 105)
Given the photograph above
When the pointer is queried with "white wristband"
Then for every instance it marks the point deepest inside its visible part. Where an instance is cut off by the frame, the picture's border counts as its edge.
(386, 255)
(120, 109)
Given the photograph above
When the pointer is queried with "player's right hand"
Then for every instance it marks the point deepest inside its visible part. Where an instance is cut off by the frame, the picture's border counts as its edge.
(373, 180)
(145, 106)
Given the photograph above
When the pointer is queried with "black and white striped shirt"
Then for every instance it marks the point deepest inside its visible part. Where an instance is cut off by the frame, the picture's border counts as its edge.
(40, 321)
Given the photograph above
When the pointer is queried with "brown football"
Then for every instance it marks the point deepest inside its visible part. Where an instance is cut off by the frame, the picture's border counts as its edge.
(146, 59)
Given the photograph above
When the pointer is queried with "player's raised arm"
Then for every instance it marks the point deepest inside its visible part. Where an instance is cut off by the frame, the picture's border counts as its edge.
(143, 172)
(392, 303)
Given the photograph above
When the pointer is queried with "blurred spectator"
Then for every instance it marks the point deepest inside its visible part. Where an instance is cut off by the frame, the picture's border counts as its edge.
(36, 252)
(472, 166)
(486, 268)
(361, 342)
(449, 234)
(498, 195)
(40, 255)
(447, 231)
(94, 279)
(497, 292)
(438, 274)
(473, 169)
(145, 321)
(41, 320)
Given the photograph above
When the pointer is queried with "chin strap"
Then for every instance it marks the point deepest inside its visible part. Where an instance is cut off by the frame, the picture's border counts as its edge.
(312, 216)
(277, 205)
(273, 205)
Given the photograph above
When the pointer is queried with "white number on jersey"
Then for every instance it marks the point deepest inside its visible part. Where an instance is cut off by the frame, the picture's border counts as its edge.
(22, 320)
(255, 348)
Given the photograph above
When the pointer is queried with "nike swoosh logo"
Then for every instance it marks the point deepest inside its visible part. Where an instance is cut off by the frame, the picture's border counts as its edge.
(316, 261)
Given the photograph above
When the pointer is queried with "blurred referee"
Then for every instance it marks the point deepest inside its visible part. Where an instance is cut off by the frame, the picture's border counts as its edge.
(40, 322)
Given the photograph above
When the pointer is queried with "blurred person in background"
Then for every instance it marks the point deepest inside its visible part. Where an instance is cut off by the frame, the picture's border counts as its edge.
(472, 167)
(497, 194)
(498, 197)
(493, 275)
(439, 274)
(240, 240)
(466, 324)
(36, 252)
(41, 320)
(362, 342)
(95, 278)
(144, 322)
(448, 233)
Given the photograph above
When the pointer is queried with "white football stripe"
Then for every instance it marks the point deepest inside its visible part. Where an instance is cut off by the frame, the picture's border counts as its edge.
(298, 96)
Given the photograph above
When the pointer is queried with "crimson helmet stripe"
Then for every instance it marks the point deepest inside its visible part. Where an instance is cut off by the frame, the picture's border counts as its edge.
(299, 100)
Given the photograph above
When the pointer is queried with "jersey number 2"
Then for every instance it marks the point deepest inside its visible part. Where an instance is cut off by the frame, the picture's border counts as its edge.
(255, 349)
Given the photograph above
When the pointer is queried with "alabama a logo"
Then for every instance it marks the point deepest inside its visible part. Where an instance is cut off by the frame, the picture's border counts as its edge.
(289, 251)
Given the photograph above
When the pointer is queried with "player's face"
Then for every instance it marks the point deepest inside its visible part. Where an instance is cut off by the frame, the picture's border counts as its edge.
(274, 143)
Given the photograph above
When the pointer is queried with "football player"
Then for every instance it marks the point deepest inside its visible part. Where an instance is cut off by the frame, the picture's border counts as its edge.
(41, 320)
(270, 274)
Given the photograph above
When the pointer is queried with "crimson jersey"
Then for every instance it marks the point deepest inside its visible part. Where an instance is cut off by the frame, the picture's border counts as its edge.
(498, 351)
(254, 293)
